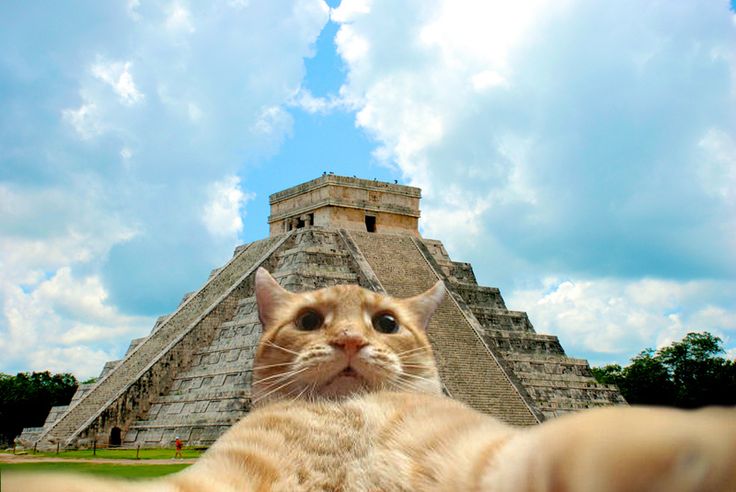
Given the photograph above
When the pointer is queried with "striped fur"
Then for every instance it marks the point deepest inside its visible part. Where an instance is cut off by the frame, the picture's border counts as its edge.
(372, 433)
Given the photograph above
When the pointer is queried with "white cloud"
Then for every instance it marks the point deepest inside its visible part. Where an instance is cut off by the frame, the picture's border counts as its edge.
(306, 101)
(132, 9)
(55, 320)
(84, 120)
(462, 223)
(84, 362)
(179, 18)
(117, 75)
(348, 11)
(718, 165)
(273, 120)
(238, 4)
(487, 79)
(612, 318)
(222, 214)
(126, 153)
(352, 46)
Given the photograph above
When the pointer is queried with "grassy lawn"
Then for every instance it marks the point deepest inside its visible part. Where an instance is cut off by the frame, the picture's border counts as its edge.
(121, 454)
(105, 469)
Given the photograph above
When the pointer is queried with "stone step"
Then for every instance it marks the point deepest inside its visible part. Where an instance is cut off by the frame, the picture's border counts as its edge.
(220, 375)
(496, 319)
(521, 343)
(332, 250)
(203, 394)
(562, 378)
(178, 423)
(245, 301)
(544, 394)
(159, 321)
(108, 367)
(133, 344)
(479, 298)
(566, 405)
(461, 272)
(341, 272)
(186, 297)
(197, 412)
(552, 410)
(234, 341)
(545, 358)
(203, 434)
(437, 250)
(216, 349)
(221, 359)
(543, 364)
(563, 381)
(311, 279)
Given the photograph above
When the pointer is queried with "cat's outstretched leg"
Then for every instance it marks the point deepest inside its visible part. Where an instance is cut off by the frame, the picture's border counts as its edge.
(69, 482)
(622, 450)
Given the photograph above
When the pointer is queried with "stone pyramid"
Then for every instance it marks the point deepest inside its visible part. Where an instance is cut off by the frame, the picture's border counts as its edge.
(191, 376)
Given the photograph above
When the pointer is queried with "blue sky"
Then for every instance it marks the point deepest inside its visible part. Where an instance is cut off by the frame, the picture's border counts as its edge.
(580, 154)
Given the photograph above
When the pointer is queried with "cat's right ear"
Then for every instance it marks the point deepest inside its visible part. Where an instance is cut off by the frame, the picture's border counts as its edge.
(427, 302)
(270, 296)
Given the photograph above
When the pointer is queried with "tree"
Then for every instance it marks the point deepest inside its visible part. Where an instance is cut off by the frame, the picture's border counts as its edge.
(697, 372)
(26, 398)
(687, 374)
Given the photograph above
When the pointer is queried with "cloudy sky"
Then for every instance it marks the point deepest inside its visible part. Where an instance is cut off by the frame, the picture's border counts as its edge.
(581, 154)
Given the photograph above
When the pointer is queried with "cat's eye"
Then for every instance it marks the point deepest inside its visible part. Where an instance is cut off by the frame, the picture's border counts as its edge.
(309, 320)
(385, 323)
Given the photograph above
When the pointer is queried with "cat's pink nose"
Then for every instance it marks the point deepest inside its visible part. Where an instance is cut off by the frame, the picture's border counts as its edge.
(350, 342)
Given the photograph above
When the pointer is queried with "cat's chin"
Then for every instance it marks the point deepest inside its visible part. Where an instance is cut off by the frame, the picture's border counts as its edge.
(347, 382)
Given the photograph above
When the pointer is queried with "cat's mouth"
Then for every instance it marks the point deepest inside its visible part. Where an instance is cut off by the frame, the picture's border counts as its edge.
(346, 382)
(348, 372)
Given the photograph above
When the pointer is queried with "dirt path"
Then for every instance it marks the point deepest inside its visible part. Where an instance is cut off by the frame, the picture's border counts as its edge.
(14, 458)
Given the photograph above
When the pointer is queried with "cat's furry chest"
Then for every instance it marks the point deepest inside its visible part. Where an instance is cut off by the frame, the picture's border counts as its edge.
(371, 442)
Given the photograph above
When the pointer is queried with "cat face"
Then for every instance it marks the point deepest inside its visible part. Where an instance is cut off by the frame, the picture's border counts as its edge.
(341, 340)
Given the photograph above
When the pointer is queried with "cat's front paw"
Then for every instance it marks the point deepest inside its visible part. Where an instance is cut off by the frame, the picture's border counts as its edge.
(626, 449)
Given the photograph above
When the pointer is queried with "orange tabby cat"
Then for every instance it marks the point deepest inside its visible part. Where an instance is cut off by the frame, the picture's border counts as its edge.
(348, 398)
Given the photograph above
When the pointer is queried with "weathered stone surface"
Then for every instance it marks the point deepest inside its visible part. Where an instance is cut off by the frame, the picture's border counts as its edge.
(191, 376)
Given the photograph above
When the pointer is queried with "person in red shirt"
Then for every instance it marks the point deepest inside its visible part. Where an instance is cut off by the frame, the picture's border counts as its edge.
(179, 445)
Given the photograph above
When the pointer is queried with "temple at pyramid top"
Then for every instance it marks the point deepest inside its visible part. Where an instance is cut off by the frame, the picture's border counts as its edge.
(348, 203)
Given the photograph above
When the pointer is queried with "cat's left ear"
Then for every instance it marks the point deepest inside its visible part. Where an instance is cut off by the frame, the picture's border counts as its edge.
(270, 296)
(425, 304)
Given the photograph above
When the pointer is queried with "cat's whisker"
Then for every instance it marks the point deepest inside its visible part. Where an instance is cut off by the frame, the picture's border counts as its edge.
(410, 351)
(304, 390)
(267, 366)
(292, 381)
(281, 375)
(415, 376)
(271, 344)
(310, 394)
(404, 386)
(270, 384)
(417, 366)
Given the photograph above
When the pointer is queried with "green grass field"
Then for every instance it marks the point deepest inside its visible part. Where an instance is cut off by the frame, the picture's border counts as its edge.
(122, 454)
(104, 469)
